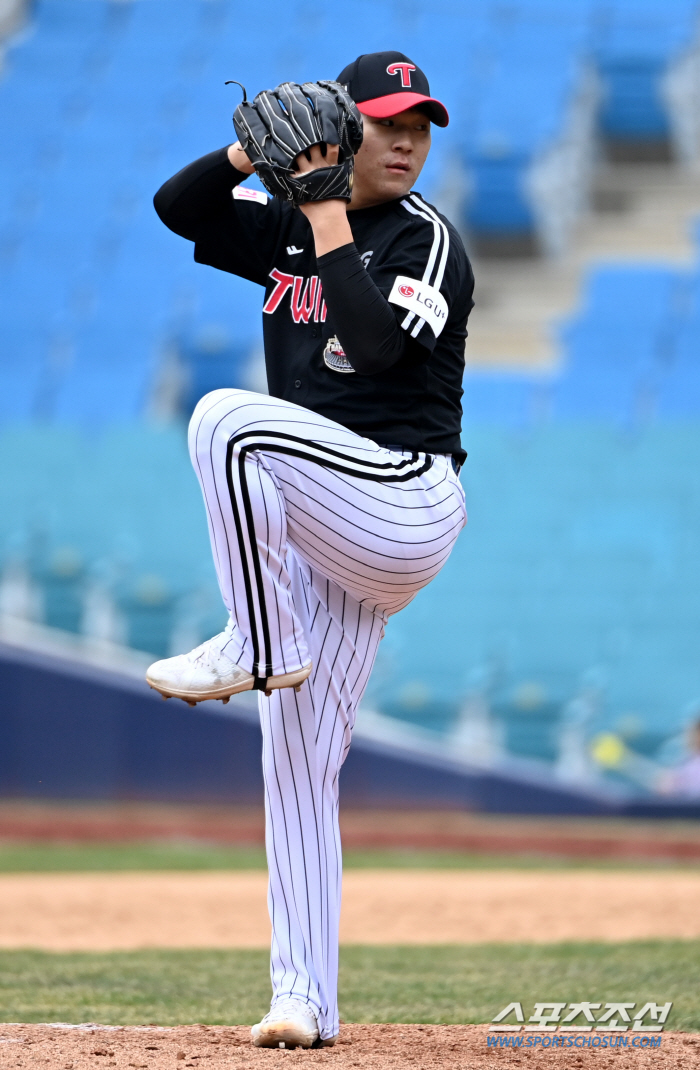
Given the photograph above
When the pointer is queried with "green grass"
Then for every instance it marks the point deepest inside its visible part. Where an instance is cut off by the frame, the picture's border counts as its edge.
(105, 857)
(101, 857)
(378, 984)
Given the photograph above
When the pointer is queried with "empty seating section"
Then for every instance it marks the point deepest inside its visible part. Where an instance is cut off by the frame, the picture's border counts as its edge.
(582, 552)
(580, 561)
(100, 101)
(109, 533)
(631, 356)
(633, 48)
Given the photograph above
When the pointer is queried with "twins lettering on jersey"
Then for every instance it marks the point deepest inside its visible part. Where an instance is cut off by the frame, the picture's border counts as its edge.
(306, 297)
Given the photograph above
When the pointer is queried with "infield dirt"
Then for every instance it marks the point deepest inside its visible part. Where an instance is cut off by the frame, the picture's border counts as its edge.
(23, 820)
(122, 911)
(378, 1047)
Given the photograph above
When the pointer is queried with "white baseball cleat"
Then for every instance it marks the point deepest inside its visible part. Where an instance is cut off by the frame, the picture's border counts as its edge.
(207, 673)
(290, 1024)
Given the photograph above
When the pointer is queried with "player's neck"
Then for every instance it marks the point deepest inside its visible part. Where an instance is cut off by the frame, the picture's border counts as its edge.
(368, 201)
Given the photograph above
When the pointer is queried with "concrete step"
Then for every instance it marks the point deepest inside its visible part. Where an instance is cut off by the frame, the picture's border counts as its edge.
(638, 212)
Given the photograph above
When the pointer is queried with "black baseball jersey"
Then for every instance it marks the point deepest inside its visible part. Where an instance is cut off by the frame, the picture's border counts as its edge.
(418, 262)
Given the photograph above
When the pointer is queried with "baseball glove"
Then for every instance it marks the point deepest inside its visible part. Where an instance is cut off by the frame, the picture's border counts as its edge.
(280, 124)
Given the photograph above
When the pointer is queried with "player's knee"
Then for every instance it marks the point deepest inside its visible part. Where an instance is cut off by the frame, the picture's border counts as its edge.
(212, 416)
(218, 403)
(217, 398)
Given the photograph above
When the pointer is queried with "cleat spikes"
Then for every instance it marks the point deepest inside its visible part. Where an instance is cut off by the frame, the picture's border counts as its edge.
(194, 679)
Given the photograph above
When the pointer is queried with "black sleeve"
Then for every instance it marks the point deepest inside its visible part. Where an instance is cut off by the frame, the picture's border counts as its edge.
(233, 230)
(197, 194)
(424, 274)
(363, 319)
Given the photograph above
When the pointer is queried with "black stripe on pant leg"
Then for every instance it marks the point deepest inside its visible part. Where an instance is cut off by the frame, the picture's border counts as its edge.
(258, 670)
(252, 614)
(328, 450)
(375, 476)
(382, 472)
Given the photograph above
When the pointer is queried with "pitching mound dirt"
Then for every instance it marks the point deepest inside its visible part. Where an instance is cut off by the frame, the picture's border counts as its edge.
(424, 1047)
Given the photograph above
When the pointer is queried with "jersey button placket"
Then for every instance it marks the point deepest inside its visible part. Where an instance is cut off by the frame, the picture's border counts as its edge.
(297, 383)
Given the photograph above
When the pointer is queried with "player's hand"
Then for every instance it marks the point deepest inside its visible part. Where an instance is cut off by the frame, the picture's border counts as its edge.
(315, 157)
(328, 219)
(238, 159)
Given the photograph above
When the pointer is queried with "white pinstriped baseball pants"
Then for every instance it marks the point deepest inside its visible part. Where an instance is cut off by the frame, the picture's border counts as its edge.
(318, 536)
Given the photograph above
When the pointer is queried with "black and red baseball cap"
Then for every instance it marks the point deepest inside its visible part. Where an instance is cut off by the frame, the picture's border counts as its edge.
(386, 83)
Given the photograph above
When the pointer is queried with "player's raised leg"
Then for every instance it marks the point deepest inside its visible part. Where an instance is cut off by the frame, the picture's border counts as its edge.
(275, 475)
(263, 645)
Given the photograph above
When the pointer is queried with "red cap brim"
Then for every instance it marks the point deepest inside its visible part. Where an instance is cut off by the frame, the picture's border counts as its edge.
(395, 103)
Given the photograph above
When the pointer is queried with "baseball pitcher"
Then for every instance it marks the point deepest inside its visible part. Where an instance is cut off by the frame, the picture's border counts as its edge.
(334, 499)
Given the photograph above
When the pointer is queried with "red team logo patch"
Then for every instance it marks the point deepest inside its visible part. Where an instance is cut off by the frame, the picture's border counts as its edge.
(406, 291)
(404, 69)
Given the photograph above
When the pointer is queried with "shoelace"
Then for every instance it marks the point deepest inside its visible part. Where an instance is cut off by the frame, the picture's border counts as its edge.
(290, 1006)
(202, 653)
(212, 650)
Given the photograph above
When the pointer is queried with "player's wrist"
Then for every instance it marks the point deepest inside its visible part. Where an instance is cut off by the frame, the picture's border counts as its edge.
(238, 159)
(323, 213)
(329, 223)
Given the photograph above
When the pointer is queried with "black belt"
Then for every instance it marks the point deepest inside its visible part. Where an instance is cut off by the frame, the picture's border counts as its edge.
(404, 449)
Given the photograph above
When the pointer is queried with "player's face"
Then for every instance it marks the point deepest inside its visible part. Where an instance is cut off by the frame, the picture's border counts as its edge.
(391, 157)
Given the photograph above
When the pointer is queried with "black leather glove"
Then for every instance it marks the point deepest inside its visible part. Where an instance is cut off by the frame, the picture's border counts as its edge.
(280, 124)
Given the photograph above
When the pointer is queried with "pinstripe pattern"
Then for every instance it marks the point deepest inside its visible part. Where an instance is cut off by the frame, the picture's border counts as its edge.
(318, 537)
(306, 738)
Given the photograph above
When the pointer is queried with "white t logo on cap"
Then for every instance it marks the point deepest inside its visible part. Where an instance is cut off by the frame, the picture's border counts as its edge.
(404, 69)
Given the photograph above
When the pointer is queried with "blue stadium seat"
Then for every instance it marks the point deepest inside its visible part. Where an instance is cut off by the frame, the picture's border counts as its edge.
(630, 294)
(108, 379)
(679, 394)
(22, 374)
(635, 42)
(504, 400)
